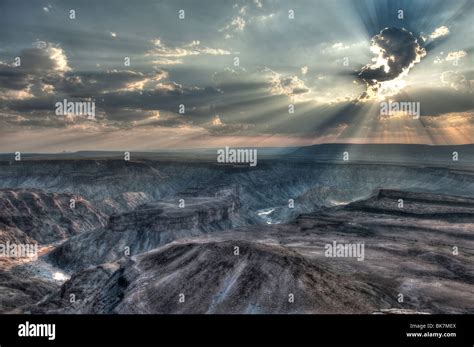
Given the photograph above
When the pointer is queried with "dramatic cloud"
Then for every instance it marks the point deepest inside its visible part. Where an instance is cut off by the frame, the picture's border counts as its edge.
(34, 73)
(397, 51)
(454, 56)
(87, 84)
(290, 86)
(439, 32)
(170, 55)
(455, 80)
(45, 57)
(313, 62)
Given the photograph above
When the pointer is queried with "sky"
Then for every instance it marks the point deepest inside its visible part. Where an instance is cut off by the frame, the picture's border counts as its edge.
(242, 73)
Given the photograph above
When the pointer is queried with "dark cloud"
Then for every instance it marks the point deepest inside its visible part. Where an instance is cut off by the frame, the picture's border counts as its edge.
(38, 70)
(12, 78)
(219, 97)
(166, 97)
(397, 51)
(300, 90)
(433, 101)
(87, 84)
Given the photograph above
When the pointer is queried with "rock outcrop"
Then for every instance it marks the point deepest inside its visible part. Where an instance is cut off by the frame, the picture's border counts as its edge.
(131, 246)
(208, 277)
(28, 215)
(404, 253)
(148, 227)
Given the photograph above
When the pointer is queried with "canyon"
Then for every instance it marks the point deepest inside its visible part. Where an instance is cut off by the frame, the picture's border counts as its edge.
(159, 233)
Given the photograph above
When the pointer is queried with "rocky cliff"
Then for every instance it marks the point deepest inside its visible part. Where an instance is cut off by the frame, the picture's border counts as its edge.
(410, 253)
(28, 215)
(147, 227)
(208, 277)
